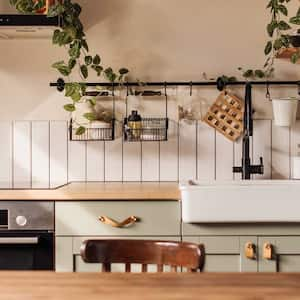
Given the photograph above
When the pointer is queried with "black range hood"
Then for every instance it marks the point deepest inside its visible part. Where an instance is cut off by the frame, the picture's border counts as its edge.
(18, 26)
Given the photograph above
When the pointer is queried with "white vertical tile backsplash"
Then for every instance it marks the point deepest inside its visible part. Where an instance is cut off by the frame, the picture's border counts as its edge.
(187, 151)
(114, 160)
(77, 161)
(206, 152)
(40, 154)
(37, 154)
(95, 161)
(224, 158)
(22, 154)
(295, 139)
(150, 161)
(58, 152)
(280, 152)
(132, 161)
(169, 154)
(262, 146)
(6, 154)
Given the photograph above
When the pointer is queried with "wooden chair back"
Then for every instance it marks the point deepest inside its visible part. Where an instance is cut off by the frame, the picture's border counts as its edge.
(160, 253)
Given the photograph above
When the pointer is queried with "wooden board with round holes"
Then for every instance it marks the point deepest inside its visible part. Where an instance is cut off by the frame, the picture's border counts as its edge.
(226, 116)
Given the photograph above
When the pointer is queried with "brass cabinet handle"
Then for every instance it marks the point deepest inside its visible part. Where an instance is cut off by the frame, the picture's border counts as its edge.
(268, 251)
(250, 250)
(108, 221)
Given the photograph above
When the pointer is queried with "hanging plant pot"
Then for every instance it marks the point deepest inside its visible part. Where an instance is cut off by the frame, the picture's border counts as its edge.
(295, 40)
(285, 111)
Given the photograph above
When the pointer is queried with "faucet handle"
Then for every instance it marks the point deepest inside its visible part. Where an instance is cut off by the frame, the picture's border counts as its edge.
(261, 167)
(261, 161)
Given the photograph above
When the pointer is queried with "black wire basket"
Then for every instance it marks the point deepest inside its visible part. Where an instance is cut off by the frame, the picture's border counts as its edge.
(93, 134)
(148, 130)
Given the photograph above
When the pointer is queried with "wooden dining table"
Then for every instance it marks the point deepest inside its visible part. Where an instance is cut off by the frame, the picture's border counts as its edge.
(164, 286)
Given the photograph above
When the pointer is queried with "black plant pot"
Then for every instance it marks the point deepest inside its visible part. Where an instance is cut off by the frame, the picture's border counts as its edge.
(295, 40)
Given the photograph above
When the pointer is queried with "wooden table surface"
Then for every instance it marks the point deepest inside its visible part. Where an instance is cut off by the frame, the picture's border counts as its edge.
(89, 286)
(97, 191)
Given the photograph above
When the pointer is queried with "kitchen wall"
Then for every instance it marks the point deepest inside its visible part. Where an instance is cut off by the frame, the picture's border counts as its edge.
(157, 40)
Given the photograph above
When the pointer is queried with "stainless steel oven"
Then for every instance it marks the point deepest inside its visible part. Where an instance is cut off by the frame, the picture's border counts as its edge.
(26, 235)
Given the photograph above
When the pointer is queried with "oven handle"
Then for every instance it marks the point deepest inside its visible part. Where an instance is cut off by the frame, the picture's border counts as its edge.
(19, 240)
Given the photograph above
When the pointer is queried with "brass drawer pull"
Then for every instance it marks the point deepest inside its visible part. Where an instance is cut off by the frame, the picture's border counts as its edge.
(268, 251)
(108, 221)
(250, 251)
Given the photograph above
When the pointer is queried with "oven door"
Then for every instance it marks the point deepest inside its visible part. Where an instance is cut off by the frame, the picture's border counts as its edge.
(26, 250)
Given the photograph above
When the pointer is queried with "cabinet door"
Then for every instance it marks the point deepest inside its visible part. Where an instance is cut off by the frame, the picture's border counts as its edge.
(68, 257)
(285, 254)
(226, 253)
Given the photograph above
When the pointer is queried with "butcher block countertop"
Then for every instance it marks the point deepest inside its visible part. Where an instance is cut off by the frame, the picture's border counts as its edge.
(99, 191)
(165, 286)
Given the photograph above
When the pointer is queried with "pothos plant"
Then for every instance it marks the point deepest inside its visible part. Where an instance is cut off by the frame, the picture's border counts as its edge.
(72, 37)
(279, 39)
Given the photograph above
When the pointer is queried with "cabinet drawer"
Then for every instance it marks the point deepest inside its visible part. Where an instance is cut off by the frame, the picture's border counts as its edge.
(82, 218)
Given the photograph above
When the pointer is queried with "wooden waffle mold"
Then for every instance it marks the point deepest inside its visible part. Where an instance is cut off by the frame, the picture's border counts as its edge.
(226, 116)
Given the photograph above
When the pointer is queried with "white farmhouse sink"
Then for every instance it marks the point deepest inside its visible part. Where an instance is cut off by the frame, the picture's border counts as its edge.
(241, 201)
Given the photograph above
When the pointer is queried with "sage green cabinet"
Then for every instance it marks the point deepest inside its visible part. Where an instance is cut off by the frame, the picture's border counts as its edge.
(78, 221)
(68, 257)
(285, 254)
(226, 253)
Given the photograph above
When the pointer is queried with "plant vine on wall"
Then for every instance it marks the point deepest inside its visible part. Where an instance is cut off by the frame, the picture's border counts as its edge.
(279, 38)
(72, 37)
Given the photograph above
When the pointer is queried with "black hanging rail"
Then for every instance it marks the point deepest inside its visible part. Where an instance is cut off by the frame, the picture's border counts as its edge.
(220, 83)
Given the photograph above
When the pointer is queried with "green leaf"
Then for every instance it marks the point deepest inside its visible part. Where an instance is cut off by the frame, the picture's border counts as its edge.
(92, 101)
(295, 20)
(84, 71)
(88, 60)
(74, 51)
(80, 130)
(72, 63)
(282, 25)
(85, 45)
(56, 36)
(123, 71)
(90, 116)
(110, 75)
(268, 48)
(97, 60)
(271, 27)
(248, 74)
(70, 107)
(283, 9)
(56, 10)
(295, 58)
(98, 69)
(278, 44)
(259, 74)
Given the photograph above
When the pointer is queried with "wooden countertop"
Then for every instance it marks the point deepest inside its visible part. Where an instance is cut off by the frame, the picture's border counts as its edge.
(83, 286)
(99, 191)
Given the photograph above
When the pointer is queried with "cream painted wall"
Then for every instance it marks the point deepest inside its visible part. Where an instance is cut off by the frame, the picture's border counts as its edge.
(155, 39)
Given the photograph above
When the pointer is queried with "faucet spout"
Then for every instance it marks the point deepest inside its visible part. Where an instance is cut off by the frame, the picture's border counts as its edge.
(247, 169)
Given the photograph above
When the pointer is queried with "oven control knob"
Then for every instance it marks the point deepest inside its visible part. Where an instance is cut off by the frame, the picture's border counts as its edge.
(21, 220)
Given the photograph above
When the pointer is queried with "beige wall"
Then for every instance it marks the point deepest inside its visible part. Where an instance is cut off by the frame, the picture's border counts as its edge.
(155, 39)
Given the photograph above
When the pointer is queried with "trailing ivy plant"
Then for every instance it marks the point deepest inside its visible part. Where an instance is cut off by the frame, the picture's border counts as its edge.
(278, 39)
(72, 37)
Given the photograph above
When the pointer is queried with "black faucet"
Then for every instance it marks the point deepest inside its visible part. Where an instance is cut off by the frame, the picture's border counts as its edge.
(247, 169)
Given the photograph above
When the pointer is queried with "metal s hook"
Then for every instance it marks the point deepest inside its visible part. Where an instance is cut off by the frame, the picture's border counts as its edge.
(127, 89)
(268, 94)
(165, 87)
(191, 88)
(298, 87)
